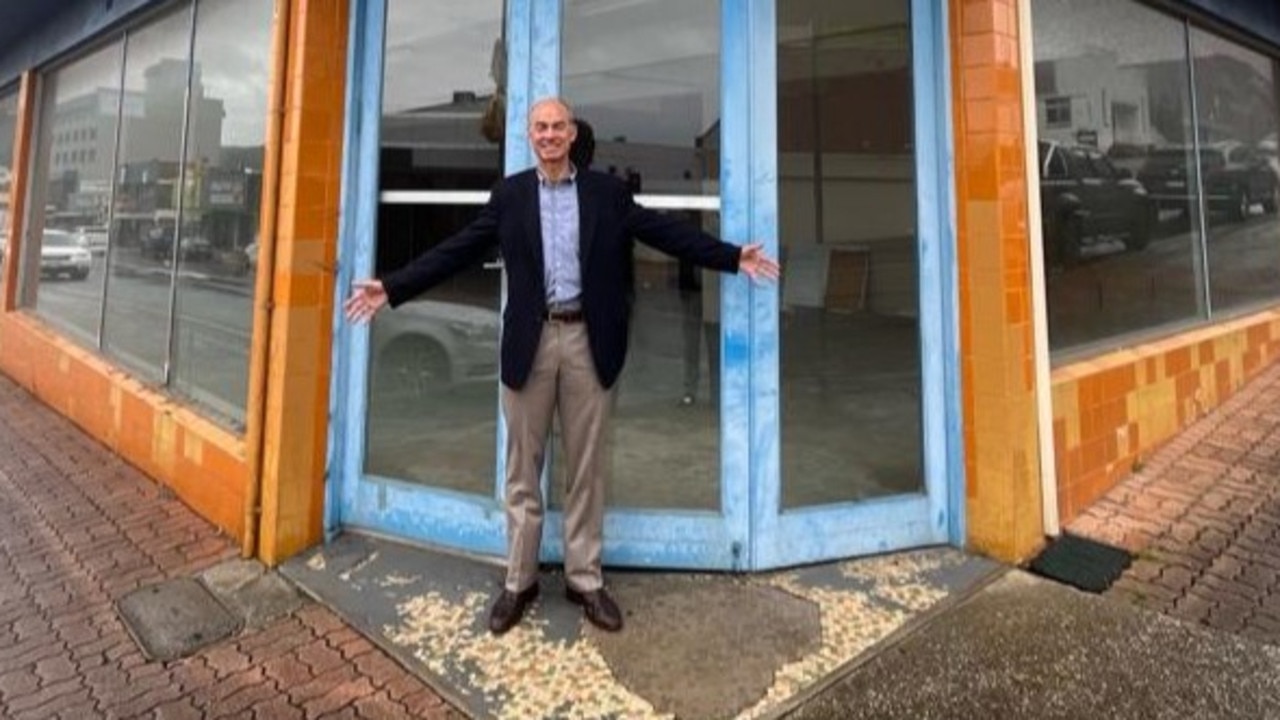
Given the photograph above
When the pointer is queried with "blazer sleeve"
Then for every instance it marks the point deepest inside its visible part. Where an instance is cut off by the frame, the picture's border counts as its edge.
(679, 238)
(467, 247)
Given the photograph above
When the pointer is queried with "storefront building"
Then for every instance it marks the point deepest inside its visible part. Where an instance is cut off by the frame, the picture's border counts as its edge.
(957, 353)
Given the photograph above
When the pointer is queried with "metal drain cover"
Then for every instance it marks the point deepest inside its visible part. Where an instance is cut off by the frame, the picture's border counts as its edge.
(175, 618)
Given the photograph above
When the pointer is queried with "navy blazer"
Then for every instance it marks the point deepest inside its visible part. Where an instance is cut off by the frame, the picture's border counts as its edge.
(609, 220)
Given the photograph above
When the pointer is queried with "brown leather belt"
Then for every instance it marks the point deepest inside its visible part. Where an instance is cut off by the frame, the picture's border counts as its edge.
(564, 316)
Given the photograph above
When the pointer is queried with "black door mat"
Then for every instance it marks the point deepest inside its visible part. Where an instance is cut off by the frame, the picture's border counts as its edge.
(1080, 562)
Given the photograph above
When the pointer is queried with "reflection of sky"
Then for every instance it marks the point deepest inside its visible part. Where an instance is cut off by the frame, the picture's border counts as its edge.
(1134, 33)
(436, 48)
(657, 62)
(233, 50)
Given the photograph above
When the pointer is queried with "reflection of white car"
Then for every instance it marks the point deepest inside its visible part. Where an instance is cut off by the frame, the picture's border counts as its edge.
(93, 239)
(62, 254)
(427, 344)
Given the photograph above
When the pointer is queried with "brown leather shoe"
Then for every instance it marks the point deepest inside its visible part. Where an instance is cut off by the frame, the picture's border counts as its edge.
(509, 608)
(599, 608)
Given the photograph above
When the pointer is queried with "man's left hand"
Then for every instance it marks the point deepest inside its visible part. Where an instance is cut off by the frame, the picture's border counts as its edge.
(755, 264)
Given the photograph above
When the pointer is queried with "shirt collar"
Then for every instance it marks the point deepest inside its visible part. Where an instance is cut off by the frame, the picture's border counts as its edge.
(569, 179)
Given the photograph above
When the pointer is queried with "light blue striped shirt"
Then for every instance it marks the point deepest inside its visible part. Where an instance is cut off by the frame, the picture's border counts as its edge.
(558, 211)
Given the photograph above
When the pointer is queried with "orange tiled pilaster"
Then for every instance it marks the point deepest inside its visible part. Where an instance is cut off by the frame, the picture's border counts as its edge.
(297, 405)
(1003, 507)
(1110, 411)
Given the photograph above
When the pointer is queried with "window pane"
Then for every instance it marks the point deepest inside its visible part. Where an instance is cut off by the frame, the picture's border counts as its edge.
(141, 248)
(646, 76)
(61, 277)
(850, 296)
(8, 126)
(433, 364)
(226, 133)
(1119, 210)
(443, 89)
(1236, 98)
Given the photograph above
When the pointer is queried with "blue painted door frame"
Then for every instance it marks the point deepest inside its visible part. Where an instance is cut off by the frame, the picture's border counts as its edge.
(750, 531)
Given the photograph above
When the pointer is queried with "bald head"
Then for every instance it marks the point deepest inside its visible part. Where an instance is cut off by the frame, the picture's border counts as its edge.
(551, 102)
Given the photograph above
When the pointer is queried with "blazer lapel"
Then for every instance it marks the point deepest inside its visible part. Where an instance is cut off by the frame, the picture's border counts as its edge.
(587, 214)
(533, 222)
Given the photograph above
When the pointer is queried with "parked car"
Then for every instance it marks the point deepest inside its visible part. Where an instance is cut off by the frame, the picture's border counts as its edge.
(92, 238)
(1235, 178)
(62, 254)
(1086, 200)
(428, 344)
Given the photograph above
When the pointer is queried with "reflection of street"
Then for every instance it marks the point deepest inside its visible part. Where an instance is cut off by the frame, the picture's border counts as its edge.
(213, 326)
(1115, 294)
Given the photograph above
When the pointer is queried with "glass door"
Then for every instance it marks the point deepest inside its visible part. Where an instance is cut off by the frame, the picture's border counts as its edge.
(645, 77)
(844, 98)
(423, 419)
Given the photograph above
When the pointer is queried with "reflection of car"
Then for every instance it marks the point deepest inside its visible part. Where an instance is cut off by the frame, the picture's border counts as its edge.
(158, 245)
(1085, 200)
(92, 238)
(1235, 177)
(427, 344)
(62, 254)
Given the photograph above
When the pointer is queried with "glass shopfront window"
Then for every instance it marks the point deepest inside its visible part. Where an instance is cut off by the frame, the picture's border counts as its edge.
(62, 276)
(218, 237)
(142, 251)
(1238, 113)
(1158, 172)
(646, 76)
(147, 176)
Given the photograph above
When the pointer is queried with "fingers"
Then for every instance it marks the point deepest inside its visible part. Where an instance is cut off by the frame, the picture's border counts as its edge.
(367, 298)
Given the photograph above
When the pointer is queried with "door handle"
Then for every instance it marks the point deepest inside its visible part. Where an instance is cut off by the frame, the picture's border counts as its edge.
(495, 265)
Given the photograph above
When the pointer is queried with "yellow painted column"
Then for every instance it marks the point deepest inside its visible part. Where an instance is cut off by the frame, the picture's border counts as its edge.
(1003, 501)
(295, 412)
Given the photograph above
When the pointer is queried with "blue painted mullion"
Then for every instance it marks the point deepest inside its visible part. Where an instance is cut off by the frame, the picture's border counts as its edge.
(359, 207)
(939, 320)
(736, 481)
(766, 416)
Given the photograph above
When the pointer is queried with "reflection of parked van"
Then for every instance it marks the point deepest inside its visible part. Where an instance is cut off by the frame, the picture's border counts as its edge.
(1085, 200)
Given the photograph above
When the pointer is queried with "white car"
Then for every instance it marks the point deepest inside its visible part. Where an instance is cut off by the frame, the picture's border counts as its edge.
(62, 254)
(427, 345)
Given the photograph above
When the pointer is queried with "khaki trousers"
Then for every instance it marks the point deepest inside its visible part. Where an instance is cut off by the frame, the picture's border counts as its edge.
(563, 381)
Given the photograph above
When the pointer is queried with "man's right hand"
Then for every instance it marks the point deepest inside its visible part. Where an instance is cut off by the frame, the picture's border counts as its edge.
(367, 298)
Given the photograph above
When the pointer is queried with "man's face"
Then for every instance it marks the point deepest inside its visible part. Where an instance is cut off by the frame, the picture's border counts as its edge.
(551, 132)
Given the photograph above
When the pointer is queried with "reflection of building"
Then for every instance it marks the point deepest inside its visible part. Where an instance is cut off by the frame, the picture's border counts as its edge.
(1093, 100)
(84, 135)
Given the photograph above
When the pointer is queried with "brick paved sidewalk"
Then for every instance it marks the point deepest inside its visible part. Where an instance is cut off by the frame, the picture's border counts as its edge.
(1203, 515)
(79, 529)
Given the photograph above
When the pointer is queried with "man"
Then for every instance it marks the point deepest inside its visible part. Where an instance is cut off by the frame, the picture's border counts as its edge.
(566, 240)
